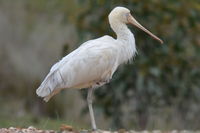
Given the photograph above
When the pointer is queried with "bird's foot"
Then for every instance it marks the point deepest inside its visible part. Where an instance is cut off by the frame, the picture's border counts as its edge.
(96, 131)
(91, 131)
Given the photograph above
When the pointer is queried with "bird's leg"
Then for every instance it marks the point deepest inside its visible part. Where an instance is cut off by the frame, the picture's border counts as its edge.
(89, 101)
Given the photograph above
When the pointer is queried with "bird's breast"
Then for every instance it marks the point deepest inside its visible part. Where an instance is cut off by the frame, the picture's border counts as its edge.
(127, 49)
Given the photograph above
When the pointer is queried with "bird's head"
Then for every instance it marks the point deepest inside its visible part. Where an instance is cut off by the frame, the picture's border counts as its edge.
(122, 15)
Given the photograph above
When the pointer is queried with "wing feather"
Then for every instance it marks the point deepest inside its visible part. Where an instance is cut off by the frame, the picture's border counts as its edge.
(84, 65)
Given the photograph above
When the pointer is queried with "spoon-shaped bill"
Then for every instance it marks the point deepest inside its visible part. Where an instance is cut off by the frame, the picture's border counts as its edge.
(134, 22)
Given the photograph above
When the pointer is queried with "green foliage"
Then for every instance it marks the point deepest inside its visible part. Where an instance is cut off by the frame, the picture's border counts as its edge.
(160, 76)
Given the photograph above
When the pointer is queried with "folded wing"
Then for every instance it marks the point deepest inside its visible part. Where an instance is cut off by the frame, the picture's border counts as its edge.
(81, 68)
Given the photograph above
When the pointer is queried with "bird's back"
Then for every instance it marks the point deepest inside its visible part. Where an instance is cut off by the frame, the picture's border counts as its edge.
(92, 62)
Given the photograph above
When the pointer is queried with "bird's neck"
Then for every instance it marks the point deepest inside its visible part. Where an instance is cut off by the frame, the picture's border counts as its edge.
(126, 41)
(121, 30)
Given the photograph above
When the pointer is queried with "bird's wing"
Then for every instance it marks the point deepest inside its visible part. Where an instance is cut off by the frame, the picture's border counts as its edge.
(86, 64)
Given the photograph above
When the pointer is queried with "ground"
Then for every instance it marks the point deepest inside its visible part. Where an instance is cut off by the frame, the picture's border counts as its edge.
(69, 129)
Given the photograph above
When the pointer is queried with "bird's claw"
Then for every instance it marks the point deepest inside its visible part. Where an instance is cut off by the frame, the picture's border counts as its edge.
(96, 131)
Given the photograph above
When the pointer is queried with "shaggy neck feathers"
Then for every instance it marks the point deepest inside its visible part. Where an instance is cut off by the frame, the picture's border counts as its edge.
(126, 40)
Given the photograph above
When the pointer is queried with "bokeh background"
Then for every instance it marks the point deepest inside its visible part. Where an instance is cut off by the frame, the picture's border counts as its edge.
(160, 89)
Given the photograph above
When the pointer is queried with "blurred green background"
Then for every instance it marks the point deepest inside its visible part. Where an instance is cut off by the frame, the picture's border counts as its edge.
(160, 89)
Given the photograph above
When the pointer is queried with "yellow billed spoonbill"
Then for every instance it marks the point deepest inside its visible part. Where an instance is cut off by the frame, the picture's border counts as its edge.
(95, 61)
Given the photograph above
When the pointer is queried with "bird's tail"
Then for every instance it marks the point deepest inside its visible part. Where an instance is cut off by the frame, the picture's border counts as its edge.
(40, 92)
(50, 86)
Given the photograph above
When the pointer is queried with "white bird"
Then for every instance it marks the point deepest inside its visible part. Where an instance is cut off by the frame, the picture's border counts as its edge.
(95, 61)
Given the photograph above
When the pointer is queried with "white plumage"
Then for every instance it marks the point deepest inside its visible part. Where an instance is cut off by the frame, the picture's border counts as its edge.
(94, 62)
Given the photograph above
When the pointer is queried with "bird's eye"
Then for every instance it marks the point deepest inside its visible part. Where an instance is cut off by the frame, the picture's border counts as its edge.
(127, 14)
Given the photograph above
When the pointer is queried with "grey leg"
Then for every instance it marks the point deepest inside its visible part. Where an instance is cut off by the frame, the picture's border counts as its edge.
(89, 101)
